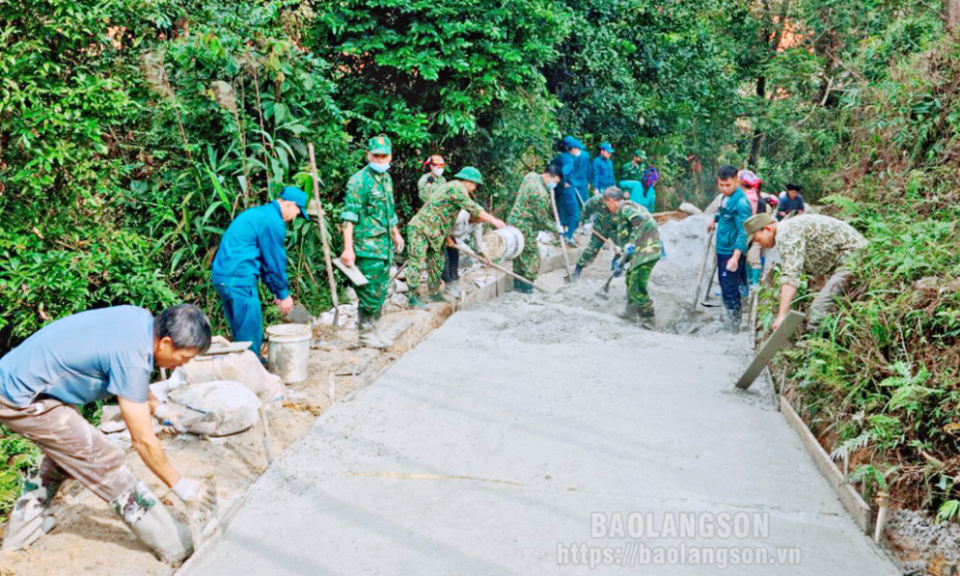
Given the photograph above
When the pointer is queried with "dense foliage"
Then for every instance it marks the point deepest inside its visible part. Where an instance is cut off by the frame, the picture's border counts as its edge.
(132, 132)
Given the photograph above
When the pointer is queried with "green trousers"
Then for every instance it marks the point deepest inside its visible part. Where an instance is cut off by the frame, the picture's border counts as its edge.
(527, 264)
(590, 252)
(373, 294)
(637, 279)
(422, 255)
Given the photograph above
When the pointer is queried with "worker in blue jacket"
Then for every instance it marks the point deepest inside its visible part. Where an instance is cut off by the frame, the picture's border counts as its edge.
(581, 178)
(252, 248)
(568, 207)
(603, 169)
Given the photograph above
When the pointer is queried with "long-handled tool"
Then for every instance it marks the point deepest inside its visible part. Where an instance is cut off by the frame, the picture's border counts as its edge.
(563, 244)
(321, 218)
(605, 291)
(471, 254)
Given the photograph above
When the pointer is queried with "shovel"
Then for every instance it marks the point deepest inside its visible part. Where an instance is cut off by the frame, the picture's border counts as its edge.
(471, 254)
(605, 291)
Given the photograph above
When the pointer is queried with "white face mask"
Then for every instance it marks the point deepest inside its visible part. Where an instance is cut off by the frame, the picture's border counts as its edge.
(381, 168)
(551, 185)
(575, 152)
(438, 172)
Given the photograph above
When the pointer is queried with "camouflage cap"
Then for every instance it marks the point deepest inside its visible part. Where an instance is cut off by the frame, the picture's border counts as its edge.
(379, 145)
(757, 222)
(469, 174)
(639, 153)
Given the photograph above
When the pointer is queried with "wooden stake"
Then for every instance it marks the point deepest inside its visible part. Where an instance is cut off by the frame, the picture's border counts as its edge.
(321, 217)
(265, 424)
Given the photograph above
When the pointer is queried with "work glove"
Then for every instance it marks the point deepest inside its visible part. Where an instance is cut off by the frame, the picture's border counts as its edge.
(193, 490)
(430, 179)
(168, 417)
(588, 228)
(629, 249)
(399, 244)
(617, 267)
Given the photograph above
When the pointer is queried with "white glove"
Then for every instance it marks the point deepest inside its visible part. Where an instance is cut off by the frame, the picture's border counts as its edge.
(399, 245)
(588, 228)
(193, 490)
(168, 417)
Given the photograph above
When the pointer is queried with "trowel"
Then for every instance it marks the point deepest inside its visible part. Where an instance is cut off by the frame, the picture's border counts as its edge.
(352, 272)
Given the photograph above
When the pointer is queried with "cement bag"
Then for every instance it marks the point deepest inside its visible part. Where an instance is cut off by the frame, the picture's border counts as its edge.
(216, 408)
(243, 367)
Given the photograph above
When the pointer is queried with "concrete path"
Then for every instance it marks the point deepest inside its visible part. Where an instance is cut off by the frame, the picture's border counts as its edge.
(513, 439)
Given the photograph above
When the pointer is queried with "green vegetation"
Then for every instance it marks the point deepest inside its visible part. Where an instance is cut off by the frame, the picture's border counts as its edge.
(132, 132)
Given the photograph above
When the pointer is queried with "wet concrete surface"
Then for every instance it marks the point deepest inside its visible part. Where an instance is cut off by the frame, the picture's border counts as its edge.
(513, 439)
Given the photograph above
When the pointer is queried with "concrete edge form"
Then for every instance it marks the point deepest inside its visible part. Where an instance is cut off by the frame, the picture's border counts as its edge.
(851, 500)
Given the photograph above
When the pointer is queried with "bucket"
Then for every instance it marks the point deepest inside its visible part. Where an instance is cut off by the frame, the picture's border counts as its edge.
(288, 347)
(504, 244)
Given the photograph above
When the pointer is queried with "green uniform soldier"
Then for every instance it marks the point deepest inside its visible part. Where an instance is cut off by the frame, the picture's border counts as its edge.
(433, 179)
(371, 236)
(808, 244)
(531, 213)
(637, 233)
(634, 169)
(604, 223)
(429, 229)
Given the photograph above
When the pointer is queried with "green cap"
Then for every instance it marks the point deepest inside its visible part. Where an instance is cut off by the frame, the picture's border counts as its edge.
(470, 174)
(639, 153)
(379, 145)
(757, 222)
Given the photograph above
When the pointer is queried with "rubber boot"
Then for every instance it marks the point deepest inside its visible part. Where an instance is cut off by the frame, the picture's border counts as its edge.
(436, 297)
(368, 336)
(387, 342)
(453, 288)
(522, 287)
(733, 321)
(647, 319)
(149, 519)
(31, 518)
(414, 301)
(630, 313)
(577, 271)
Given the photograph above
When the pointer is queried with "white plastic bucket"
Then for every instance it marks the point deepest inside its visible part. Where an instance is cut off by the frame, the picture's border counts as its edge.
(288, 348)
(507, 244)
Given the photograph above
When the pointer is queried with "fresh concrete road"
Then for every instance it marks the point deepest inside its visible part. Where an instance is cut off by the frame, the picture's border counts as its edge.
(520, 430)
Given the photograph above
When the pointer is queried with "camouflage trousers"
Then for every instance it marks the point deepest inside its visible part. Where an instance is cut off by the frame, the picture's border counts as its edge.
(373, 294)
(637, 278)
(527, 264)
(422, 255)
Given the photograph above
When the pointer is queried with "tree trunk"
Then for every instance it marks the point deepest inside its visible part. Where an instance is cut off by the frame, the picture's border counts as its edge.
(953, 13)
(757, 141)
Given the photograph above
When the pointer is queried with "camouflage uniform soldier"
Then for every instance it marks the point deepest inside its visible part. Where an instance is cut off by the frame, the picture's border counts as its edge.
(808, 244)
(370, 219)
(633, 170)
(604, 223)
(431, 226)
(433, 179)
(637, 233)
(531, 213)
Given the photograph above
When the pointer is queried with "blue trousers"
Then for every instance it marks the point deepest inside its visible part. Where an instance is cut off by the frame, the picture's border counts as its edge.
(241, 306)
(730, 282)
(569, 209)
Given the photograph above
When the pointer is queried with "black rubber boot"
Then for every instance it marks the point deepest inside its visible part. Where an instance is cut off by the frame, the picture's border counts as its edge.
(522, 287)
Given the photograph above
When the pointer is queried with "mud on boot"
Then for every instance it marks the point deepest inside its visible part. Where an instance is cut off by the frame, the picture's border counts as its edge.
(31, 517)
(368, 335)
(147, 517)
(435, 297)
(732, 323)
(630, 313)
(387, 342)
(452, 288)
(414, 301)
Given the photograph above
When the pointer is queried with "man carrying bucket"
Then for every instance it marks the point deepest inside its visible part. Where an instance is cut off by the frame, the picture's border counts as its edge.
(531, 213)
(252, 247)
(428, 230)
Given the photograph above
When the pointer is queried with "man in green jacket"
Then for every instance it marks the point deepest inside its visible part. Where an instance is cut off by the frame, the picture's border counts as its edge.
(531, 213)
(604, 223)
(633, 170)
(429, 229)
(371, 236)
(639, 236)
